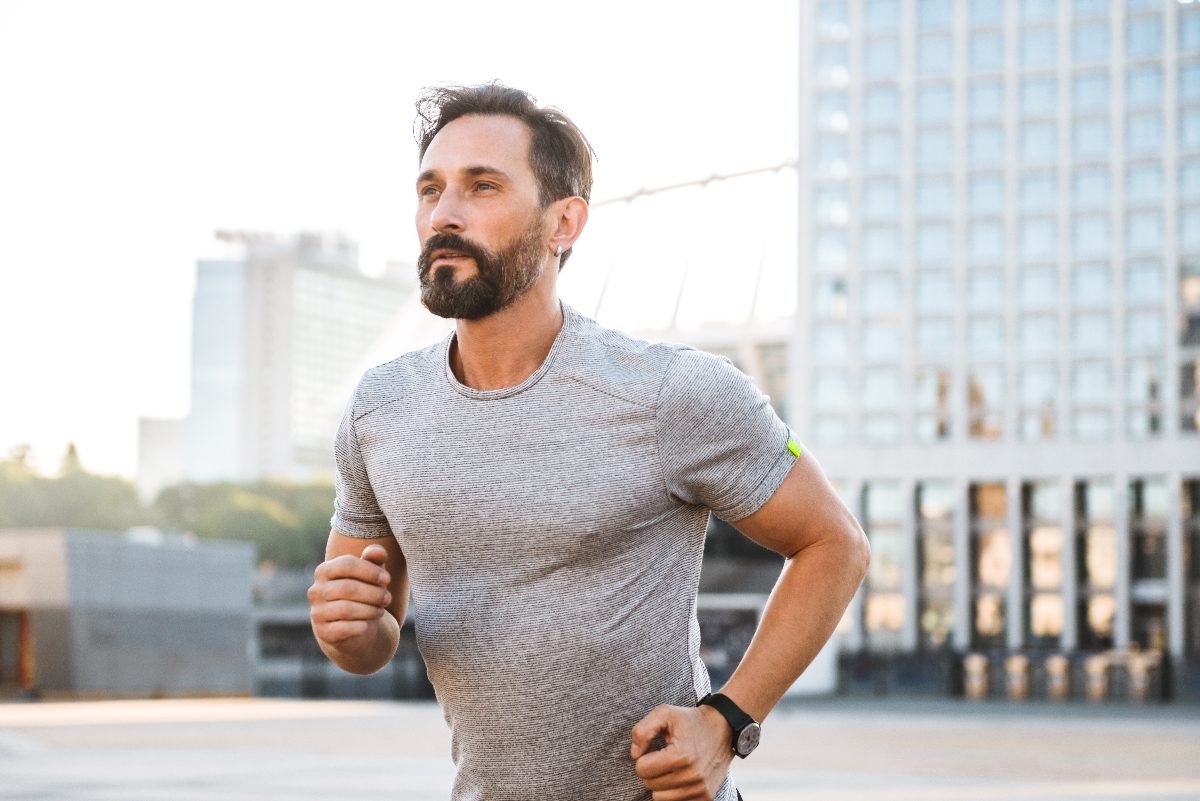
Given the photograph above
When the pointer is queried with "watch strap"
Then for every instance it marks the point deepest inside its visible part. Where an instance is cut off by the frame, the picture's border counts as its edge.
(733, 714)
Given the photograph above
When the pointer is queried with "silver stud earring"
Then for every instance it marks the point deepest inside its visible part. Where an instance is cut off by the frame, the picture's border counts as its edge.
(557, 251)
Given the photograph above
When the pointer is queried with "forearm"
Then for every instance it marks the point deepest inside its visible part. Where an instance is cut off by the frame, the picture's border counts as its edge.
(813, 590)
(368, 653)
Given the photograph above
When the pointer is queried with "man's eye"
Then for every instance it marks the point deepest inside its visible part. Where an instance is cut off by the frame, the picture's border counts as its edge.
(427, 191)
(485, 186)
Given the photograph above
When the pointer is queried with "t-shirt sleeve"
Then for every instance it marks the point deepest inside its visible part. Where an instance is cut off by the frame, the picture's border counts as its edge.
(356, 513)
(721, 444)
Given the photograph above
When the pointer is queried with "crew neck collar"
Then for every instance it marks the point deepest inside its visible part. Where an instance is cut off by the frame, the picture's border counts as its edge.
(569, 318)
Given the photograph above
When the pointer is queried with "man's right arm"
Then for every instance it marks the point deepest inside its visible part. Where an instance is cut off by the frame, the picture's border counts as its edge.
(359, 597)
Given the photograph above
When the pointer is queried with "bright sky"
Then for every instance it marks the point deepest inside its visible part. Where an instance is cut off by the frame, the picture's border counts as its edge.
(132, 130)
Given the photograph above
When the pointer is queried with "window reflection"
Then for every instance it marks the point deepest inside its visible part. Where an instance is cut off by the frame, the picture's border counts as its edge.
(934, 291)
(986, 241)
(1039, 143)
(881, 104)
(987, 101)
(1091, 286)
(1144, 231)
(1148, 528)
(1038, 47)
(934, 55)
(987, 193)
(1143, 86)
(934, 104)
(935, 540)
(832, 390)
(1039, 288)
(1039, 192)
(831, 298)
(1039, 97)
(934, 244)
(1039, 239)
(1143, 37)
(1039, 335)
(1090, 42)
(1144, 183)
(1089, 92)
(1096, 545)
(1090, 237)
(881, 200)
(991, 563)
(1042, 516)
(883, 508)
(1091, 383)
(1090, 188)
(987, 52)
(934, 197)
(986, 290)
(1144, 134)
(933, 396)
(935, 338)
(987, 147)
(985, 401)
(1090, 140)
(881, 388)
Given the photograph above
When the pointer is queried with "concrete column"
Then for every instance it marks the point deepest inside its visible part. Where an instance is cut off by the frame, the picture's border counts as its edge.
(910, 581)
(1069, 640)
(963, 608)
(1176, 577)
(1122, 624)
(1015, 616)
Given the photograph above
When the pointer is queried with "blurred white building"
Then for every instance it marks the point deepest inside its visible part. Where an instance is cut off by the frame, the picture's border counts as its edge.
(999, 332)
(281, 331)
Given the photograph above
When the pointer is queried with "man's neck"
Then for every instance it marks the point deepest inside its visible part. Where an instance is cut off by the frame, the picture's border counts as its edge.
(505, 348)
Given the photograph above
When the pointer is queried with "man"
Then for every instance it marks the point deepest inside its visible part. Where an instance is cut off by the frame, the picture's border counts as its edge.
(543, 484)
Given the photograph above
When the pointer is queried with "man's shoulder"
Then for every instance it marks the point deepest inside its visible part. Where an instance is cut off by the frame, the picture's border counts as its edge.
(394, 380)
(628, 366)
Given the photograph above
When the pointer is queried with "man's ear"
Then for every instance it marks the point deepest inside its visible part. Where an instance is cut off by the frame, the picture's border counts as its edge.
(570, 216)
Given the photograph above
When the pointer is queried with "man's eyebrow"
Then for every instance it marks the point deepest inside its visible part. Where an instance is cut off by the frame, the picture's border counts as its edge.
(474, 172)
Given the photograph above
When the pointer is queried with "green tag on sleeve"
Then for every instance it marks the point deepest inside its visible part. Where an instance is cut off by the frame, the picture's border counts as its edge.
(794, 447)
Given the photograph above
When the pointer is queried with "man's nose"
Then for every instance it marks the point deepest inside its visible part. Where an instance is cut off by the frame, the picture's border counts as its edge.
(447, 214)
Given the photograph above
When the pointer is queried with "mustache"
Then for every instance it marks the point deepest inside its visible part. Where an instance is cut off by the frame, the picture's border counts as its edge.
(449, 241)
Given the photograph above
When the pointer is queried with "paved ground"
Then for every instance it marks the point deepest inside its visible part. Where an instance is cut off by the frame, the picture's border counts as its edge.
(263, 750)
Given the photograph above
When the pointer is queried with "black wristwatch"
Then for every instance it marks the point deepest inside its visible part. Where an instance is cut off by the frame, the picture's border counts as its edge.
(746, 731)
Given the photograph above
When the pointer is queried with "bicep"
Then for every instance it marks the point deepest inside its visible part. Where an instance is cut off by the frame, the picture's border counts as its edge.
(340, 544)
(803, 511)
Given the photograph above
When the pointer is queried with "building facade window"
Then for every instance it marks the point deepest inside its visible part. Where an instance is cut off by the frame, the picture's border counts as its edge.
(985, 402)
(991, 564)
(1091, 286)
(1090, 188)
(1089, 43)
(987, 193)
(882, 59)
(883, 609)
(1045, 614)
(1148, 499)
(1039, 288)
(1090, 93)
(985, 290)
(1038, 47)
(935, 545)
(935, 197)
(1143, 87)
(987, 52)
(1096, 561)
(1144, 183)
(933, 397)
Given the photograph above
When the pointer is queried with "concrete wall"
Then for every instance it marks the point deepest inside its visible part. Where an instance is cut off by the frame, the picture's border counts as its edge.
(155, 615)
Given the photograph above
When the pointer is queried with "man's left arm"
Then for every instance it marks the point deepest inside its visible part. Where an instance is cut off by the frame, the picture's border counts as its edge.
(825, 559)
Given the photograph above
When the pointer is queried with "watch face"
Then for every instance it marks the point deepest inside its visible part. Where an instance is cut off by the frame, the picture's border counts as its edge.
(748, 739)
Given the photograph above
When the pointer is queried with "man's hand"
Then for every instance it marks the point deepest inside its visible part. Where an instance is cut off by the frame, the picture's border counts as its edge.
(695, 759)
(349, 598)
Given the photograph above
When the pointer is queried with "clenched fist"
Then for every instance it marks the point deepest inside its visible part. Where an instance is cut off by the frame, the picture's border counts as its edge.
(695, 754)
(350, 597)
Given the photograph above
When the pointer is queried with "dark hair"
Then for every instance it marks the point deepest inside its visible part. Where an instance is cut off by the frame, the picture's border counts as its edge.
(560, 155)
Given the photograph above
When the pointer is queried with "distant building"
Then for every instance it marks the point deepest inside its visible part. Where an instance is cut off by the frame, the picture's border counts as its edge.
(280, 333)
(139, 614)
(160, 455)
(999, 328)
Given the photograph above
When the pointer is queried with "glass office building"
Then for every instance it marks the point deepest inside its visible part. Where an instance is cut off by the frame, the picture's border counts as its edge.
(999, 326)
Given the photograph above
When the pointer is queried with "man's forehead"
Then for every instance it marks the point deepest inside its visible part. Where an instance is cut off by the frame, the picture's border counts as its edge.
(477, 139)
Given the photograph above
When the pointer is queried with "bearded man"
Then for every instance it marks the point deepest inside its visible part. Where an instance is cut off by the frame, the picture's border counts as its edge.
(542, 485)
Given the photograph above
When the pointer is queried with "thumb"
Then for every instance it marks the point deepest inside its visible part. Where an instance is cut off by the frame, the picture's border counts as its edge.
(375, 553)
(648, 729)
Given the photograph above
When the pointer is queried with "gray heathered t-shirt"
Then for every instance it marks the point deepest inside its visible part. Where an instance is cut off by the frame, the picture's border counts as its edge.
(554, 532)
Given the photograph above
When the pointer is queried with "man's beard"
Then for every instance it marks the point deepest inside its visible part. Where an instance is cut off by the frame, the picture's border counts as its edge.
(499, 280)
